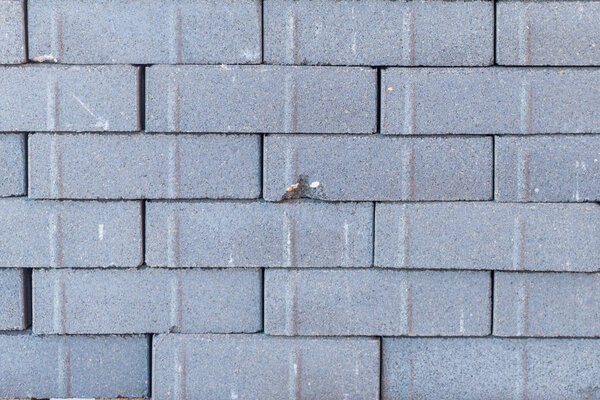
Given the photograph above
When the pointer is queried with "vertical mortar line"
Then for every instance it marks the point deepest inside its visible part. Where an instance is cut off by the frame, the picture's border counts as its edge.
(378, 101)
(380, 388)
(26, 163)
(143, 230)
(261, 9)
(142, 97)
(25, 30)
(263, 299)
(27, 300)
(150, 366)
(493, 168)
(494, 27)
(373, 235)
(261, 169)
(492, 280)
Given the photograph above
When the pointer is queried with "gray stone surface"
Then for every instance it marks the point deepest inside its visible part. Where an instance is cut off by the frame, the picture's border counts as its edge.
(562, 168)
(75, 98)
(14, 306)
(38, 234)
(376, 302)
(12, 43)
(144, 166)
(500, 236)
(261, 367)
(367, 168)
(12, 165)
(489, 100)
(147, 301)
(547, 33)
(546, 304)
(261, 98)
(259, 234)
(378, 32)
(490, 368)
(73, 366)
(146, 31)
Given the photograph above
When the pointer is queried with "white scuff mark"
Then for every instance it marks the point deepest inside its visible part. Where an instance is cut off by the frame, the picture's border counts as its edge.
(234, 395)
(100, 122)
(101, 231)
(462, 322)
(315, 184)
(44, 58)
(231, 257)
(537, 190)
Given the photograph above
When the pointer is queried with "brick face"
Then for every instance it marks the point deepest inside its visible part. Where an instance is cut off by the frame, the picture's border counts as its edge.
(12, 40)
(13, 300)
(12, 167)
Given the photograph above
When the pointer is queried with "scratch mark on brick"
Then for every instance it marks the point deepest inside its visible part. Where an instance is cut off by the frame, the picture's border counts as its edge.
(525, 365)
(410, 108)
(295, 382)
(56, 181)
(291, 103)
(289, 230)
(174, 169)
(180, 370)
(174, 243)
(174, 106)
(409, 305)
(64, 368)
(179, 28)
(176, 304)
(523, 306)
(409, 37)
(346, 256)
(523, 174)
(293, 38)
(259, 15)
(56, 245)
(525, 38)
(52, 100)
(291, 163)
(518, 253)
(411, 376)
(403, 239)
(291, 305)
(408, 169)
(526, 108)
(59, 312)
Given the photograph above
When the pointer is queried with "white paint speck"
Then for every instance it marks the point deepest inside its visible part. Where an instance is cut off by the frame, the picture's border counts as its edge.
(234, 395)
(101, 231)
(315, 184)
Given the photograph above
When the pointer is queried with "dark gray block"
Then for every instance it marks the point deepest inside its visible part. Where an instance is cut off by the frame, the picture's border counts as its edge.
(542, 237)
(144, 166)
(380, 168)
(12, 165)
(261, 367)
(547, 168)
(375, 302)
(12, 38)
(260, 99)
(546, 304)
(490, 368)
(259, 234)
(13, 300)
(146, 31)
(379, 32)
(489, 100)
(78, 98)
(42, 234)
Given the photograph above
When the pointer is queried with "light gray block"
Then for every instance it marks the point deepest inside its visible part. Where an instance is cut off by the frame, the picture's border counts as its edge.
(260, 99)
(41, 234)
(261, 367)
(548, 33)
(547, 168)
(77, 98)
(12, 38)
(73, 366)
(490, 368)
(546, 304)
(259, 234)
(538, 237)
(146, 31)
(144, 166)
(379, 32)
(489, 100)
(12, 165)
(375, 302)
(14, 307)
(367, 168)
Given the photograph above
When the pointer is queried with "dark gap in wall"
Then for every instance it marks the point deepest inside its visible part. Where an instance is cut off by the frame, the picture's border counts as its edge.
(150, 340)
(378, 101)
(373, 236)
(494, 168)
(142, 97)
(25, 31)
(143, 229)
(494, 33)
(26, 163)
(262, 31)
(27, 297)
(262, 303)
(492, 303)
(380, 368)
(262, 166)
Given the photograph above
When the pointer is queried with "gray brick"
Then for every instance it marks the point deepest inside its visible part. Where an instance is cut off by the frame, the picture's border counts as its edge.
(76, 98)
(73, 366)
(69, 234)
(13, 300)
(379, 32)
(261, 367)
(547, 168)
(380, 168)
(144, 166)
(260, 99)
(546, 304)
(490, 100)
(146, 301)
(12, 165)
(548, 33)
(259, 234)
(490, 368)
(12, 43)
(376, 302)
(146, 31)
(542, 237)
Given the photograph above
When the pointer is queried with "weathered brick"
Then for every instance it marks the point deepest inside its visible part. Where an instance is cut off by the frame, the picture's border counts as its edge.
(69, 234)
(12, 38)
(379, 168)
(13, 299)
(73, 366)
(543, 237)
(68, 98)
(379, 32)
(376, 302)
(147, 301)
(547, 168)
(144, 166)
(490, 100)
(260, 99)
(259, 234)
(261, 367)
(490, 368)
(146, 31)
(12, 165)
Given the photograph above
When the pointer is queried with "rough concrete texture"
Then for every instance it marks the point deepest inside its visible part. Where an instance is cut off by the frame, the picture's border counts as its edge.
(260, 367)
(14, 305)
(12, 40)
(12, 165)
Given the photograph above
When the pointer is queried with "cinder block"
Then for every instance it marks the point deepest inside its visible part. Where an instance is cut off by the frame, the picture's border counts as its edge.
(379, 32)
(490, 368)
(146, 31)
(261, 367)
(375, 302)
(499, 236)
(41, 234)
(144, 166)
(259, 234)
(12, 38)
(368, 168)
(147, 301)
(69, 98)
(14, 306)
(12, 165)
(489, 100)
(269, 99)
